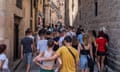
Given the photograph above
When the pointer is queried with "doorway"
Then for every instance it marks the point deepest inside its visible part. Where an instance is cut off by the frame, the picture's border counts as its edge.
(17, 21)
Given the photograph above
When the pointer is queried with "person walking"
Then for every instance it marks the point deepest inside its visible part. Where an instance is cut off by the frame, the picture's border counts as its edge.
(27, 49)
(70, 32)
(3, 59)
(101, 51)
(66, 52)
(80, 36)
(62, 36)
(108, 41)
(85, 53)
(49, 35)
(42, 43)
(92, 40)
(36, 39)
(56, 37)
(75, 42)
(47, 66)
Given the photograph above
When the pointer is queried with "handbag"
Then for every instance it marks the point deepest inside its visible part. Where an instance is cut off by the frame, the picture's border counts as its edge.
(90, 62)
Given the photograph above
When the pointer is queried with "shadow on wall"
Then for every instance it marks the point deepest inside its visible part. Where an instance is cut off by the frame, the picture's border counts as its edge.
(77, 20)
(67, 12)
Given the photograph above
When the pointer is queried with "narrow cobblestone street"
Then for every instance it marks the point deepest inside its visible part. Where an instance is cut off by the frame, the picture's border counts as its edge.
(34, 68)
(21, 68)
(26, 26)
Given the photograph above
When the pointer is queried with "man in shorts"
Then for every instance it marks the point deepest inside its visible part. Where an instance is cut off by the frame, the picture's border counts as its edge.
(27, 49)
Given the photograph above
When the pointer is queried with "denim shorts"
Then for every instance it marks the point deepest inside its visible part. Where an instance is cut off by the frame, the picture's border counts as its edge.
(28, 58)
(83, 62)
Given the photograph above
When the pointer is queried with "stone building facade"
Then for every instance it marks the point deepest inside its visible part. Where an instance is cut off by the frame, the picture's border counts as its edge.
(95, 14)
(71, 11)
(38, 13)
(15, 17)
(61, 14)
(54, 11)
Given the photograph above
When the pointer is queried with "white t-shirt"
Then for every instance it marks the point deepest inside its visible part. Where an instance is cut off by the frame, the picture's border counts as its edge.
(38, 37)
(4, 58)
(61, 41)
(42, 45)
(70, 33)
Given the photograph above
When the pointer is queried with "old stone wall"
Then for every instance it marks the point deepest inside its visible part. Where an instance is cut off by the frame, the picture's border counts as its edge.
(8, 10)
(108, 16)
(71, 12)
(67, 21)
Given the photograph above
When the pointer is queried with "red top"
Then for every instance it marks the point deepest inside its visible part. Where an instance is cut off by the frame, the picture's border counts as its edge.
(101, 42)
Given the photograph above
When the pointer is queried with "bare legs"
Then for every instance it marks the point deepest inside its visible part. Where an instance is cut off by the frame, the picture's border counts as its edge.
(28, 68)
(85, 70)
(100, 62)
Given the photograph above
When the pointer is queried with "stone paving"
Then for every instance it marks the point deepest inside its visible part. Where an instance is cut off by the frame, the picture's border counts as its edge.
(21, 68)
(34, 68)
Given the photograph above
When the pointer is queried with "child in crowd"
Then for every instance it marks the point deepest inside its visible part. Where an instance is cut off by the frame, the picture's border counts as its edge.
(3, 59)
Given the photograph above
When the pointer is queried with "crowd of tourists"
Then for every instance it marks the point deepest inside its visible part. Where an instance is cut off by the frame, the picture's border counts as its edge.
(61, 49)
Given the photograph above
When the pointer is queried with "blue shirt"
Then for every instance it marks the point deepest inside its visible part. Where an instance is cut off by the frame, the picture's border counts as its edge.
(27, 42)
(80, 38)
(42, 45)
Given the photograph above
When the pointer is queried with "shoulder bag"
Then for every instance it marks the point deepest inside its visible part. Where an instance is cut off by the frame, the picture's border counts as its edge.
(73, 57)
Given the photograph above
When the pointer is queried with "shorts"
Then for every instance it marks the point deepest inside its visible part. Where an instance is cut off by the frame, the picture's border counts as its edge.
(44, 70)
(28, 58)
(83, 62)
(101, 53)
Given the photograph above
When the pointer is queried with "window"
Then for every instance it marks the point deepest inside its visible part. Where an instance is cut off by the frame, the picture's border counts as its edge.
(19, 3)
(31, 8)
(40, 1)
(80, 14)
(31, 24)
(96, 8)
(79, 3)
(34, 3)
(73, 5)
(48, 0)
